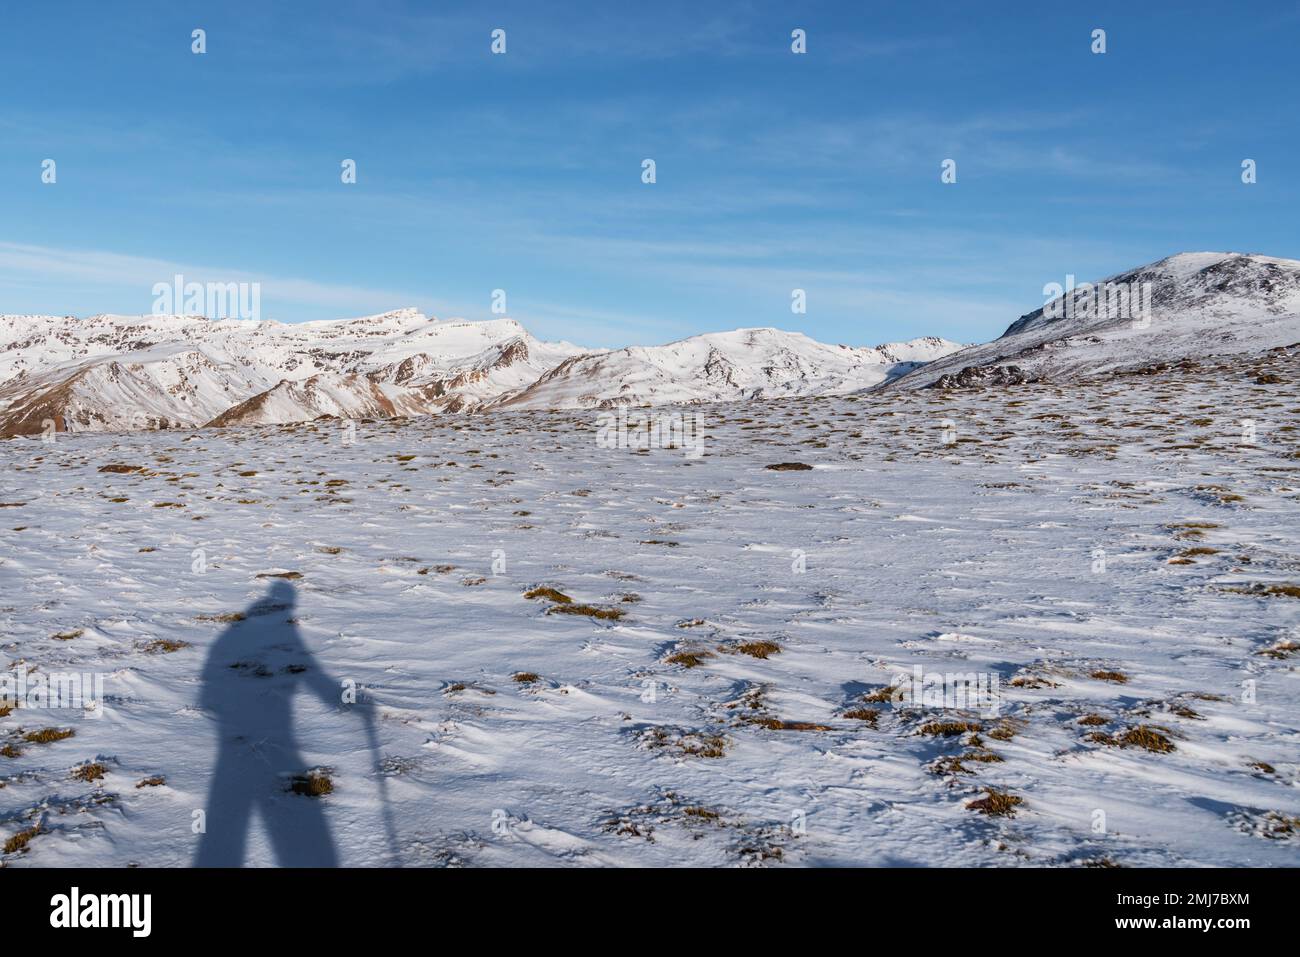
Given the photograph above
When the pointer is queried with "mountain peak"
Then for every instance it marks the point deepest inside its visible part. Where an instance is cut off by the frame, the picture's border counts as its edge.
(1186, 306)
(122, 372)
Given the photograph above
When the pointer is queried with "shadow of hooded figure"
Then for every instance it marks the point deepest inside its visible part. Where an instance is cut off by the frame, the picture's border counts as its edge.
(251, 675)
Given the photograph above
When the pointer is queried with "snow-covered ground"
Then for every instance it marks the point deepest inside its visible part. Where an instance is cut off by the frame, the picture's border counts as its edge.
(1104, 548)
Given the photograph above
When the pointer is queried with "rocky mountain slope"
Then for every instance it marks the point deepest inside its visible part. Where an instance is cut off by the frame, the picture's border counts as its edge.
(119, 373)
(1186, 307)
(722, 366)
(112, 373)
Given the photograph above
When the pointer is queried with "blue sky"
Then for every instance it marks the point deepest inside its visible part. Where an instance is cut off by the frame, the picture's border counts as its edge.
(522, 171)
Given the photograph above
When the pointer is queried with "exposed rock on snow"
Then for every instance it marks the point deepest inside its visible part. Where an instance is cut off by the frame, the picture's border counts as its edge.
(978, 376)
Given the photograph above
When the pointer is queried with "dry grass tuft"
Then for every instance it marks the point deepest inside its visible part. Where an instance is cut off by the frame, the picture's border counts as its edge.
(550, 594)
(1259, 589)
(777, 724)
(704, 813)
(48, 735)
(163, 646)
(695, 744)
(885, 693)
(1278, 826)
(869, 715)
(1116, 677)
(1289, 591)
(604, 614)
(956, 764)
(1032, 681)
(89, 772)
(1147, 738)
(950, 729)
(1191, 530)
(688, 659)
(1006, 729)
(996, 804)
(20, 840)
(1283, 649)
(758, 649)
(314, 783)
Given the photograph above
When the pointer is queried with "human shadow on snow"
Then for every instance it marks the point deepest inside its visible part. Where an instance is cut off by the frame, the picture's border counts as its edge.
(253, 670)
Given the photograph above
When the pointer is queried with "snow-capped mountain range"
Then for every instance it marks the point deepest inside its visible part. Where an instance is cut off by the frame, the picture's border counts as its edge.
(116, 373)
(109, 373)
(1188, 306)
(718, 367)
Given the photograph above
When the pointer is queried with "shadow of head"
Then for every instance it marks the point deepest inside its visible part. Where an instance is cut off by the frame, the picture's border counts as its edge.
(281, 596)
(257, 659)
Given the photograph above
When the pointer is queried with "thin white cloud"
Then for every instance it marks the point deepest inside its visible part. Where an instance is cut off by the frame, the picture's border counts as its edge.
(25, 266)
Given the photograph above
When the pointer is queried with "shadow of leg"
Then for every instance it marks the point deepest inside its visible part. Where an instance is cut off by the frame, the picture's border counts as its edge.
(298, 831)
(230, 802)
